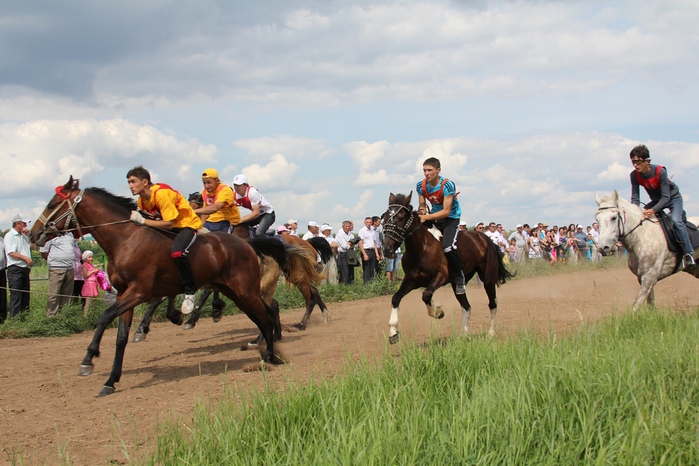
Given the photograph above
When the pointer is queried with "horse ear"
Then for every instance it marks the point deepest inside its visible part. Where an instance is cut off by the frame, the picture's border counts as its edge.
(616, 196)
(76, 183)
(407, 198)
(391, 198)
(597, 199)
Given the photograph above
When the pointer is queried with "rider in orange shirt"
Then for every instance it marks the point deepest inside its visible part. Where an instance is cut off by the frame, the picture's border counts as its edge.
(171, 212)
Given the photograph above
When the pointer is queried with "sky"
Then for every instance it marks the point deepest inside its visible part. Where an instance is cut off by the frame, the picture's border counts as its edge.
(329, 106)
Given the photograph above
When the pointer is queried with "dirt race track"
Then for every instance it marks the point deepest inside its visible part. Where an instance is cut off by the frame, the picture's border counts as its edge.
(46, 408)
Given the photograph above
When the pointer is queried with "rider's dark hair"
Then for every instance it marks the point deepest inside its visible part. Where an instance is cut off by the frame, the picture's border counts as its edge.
(433, 162)
(140, 173)
(640, 152)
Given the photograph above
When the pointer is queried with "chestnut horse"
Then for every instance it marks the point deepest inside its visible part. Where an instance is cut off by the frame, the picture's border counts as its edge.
(425, 265)
(301, 256)
(140, 266)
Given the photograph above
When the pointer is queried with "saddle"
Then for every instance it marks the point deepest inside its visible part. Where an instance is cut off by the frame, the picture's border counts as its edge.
(671, 237)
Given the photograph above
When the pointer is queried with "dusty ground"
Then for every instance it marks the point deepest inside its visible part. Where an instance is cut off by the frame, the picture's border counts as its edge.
(47, 412)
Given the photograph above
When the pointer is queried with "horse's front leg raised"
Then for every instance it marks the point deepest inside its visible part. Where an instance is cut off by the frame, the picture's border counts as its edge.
(405, 287)
(196, 313)
(121, 341)
(434, 309)
(144, 326)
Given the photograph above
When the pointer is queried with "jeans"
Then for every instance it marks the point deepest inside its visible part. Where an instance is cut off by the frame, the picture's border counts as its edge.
(18, 282)
(676, 209)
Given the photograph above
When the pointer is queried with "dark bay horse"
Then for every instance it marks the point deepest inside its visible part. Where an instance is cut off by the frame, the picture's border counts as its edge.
(425, 265)
(300, 272)
(140, 266)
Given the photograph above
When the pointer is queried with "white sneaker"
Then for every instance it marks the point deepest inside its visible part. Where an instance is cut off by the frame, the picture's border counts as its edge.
(688, 261)
(187, 304)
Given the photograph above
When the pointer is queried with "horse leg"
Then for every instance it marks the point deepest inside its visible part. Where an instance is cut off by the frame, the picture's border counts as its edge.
(108, 315)
(121, 341)
(173, 315)
(490, 290)
(274, 306)
(218, 306)
(465, 310)
(144, 326)
(645, 291)
(321, 304)
(310, 304)
(196, 313)
(406, 286)
(434, 309)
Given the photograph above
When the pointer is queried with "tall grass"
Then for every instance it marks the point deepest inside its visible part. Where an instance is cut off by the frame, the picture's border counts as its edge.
(625, 391)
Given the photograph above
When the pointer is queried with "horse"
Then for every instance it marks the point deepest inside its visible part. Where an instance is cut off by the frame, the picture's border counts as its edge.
(301, 256)
(140, 266)
(650, 259)
(425, 265)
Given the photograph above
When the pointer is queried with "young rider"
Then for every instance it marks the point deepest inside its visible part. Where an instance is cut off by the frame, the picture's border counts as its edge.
(446, 214)
(663, 193)
(173, 213)
(219, 211)
(261, 212)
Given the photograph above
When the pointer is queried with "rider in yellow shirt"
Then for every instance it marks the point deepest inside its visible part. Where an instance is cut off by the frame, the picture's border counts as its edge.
(219, 212)
(171, 212)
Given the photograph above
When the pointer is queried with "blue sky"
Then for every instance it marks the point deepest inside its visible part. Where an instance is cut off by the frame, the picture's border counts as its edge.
(327, 106)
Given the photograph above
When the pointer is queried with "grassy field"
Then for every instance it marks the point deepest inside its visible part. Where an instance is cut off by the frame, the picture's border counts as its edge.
(625, 391)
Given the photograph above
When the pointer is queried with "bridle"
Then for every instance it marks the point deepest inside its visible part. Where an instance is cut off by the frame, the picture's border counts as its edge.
(393, 231)
(621, 225)
(69, 215)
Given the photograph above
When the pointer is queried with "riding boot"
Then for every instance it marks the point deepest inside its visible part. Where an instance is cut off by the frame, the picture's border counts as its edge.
(184, 270)
(456, 270)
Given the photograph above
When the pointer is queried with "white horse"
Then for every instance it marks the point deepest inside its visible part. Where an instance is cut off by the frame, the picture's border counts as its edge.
(649, 257)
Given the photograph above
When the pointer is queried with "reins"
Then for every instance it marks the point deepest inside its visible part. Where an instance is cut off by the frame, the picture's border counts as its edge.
(621, 225)
(69, 216)
(395, 232)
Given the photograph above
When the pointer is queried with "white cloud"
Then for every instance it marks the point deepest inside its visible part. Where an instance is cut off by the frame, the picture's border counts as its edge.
(278, 172)
(615, 172)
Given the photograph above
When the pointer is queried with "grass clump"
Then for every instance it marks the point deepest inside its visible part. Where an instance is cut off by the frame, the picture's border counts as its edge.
(624, 391)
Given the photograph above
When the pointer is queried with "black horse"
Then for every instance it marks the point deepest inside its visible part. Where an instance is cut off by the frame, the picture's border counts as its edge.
(425, 264)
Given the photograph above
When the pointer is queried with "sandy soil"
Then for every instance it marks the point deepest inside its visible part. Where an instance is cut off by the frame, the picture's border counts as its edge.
(48, 412)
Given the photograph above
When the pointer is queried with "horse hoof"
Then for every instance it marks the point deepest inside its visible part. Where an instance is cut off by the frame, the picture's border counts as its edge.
(393, 339)
(299, 326)
(106, 390)
(85, 370)
(216, 318)
(188, 326)
(440, 315)
(139, 337)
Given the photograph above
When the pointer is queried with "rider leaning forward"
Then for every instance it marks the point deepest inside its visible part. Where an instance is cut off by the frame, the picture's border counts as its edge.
(173, 213)
(446, 214)
(261, 215)
(219, 210)
(663, 193)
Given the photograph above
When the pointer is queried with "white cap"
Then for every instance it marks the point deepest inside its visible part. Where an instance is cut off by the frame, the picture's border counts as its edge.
(519, 225)
(312, 224)
(325, 226)
(579, 226)
(20, 218)
(462, 222)
(291, 220)
(240, 179)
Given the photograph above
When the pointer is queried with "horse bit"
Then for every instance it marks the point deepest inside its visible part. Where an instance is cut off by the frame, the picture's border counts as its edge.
(621, 225)
(394, 231)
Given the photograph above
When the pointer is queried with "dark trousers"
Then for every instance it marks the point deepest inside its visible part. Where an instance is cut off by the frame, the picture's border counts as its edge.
(343, 268)
(369, 265)
(180, 250)
(18, 282)
(77, 291)
(3, 295)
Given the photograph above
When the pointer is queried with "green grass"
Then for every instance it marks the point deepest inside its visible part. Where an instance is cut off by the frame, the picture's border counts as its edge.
(625, 391)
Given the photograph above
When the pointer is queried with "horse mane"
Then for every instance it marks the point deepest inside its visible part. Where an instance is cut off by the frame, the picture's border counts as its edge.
(118, 201)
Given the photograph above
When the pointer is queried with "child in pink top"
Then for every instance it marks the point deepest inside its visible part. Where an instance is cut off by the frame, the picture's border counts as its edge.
(90, 288)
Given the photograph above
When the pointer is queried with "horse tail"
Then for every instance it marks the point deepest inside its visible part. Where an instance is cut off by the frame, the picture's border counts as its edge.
(301, 269)
(495, 258)
(269, 246)
(323, 247)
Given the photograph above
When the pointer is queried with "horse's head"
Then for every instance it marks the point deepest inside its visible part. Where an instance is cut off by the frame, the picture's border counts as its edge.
(58, 215)
(399, 221)
(609, 218)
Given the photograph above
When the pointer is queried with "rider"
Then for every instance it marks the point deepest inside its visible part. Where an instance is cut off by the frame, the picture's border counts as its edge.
(446, 214)
(261, 212)
(173, 213)
(219, 211)
(663, 194)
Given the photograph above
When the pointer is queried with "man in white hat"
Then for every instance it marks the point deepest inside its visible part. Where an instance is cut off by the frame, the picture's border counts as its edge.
(19, 263)
(331, 266)
(292, 224)
(520, 240)
(261, 215)
(312, 230)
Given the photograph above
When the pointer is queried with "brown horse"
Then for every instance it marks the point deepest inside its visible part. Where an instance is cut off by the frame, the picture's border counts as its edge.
(425, 265)
(140, 266)
(300, 255)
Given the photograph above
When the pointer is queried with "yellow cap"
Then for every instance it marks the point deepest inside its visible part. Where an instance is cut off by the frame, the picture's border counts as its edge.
(210, 173)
